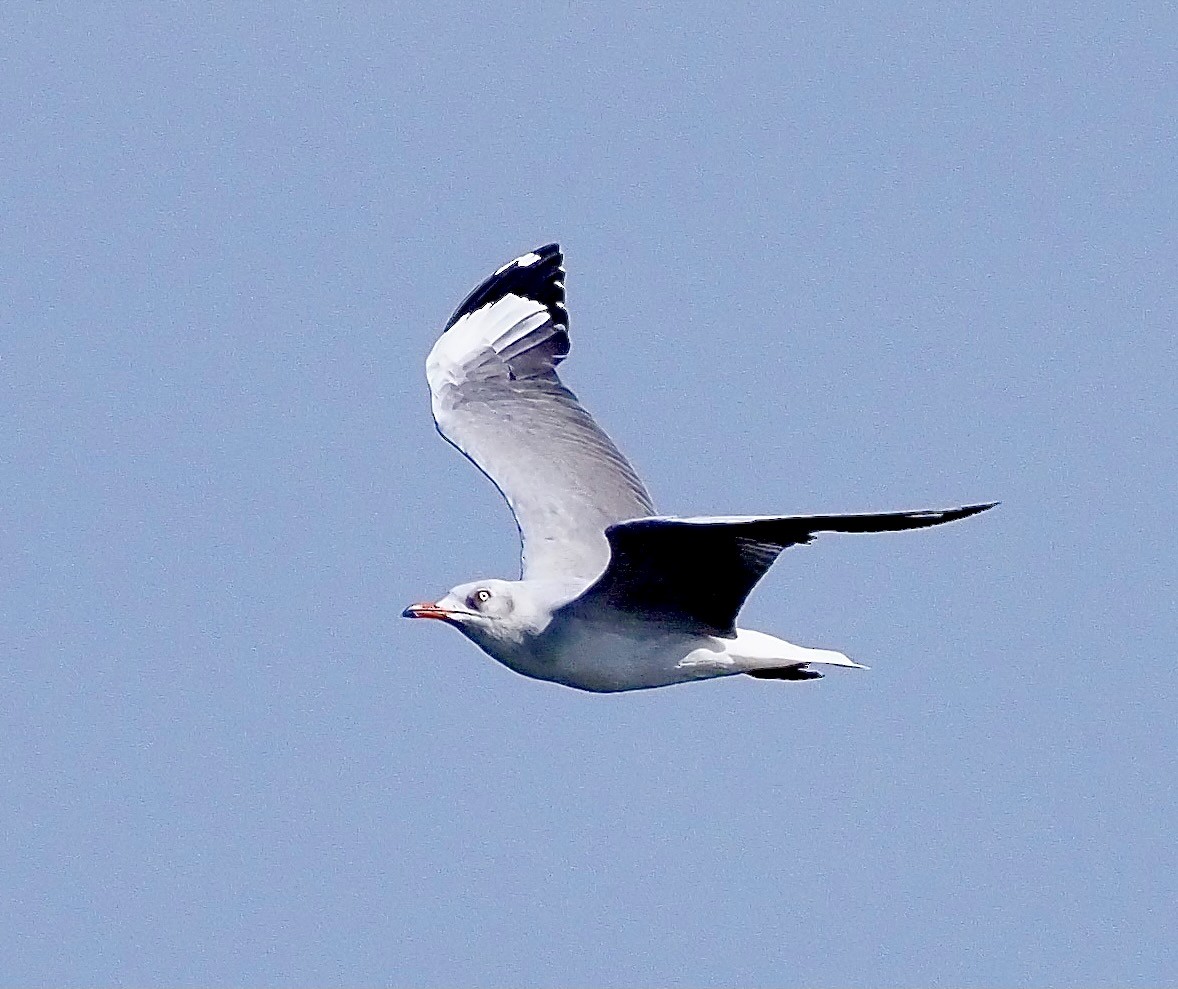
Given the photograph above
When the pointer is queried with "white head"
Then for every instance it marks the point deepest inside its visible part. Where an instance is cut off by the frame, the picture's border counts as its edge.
(498, 615)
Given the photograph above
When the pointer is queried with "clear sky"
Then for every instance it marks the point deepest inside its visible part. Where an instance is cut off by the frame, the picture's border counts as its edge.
(820, 258)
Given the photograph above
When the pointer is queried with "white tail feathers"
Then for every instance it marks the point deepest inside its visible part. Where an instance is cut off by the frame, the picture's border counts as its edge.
(757, 651)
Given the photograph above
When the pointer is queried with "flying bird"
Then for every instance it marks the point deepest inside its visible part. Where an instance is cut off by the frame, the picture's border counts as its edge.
(612, 596)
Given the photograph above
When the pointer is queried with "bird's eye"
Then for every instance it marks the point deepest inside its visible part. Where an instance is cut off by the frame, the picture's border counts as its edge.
(481, 596)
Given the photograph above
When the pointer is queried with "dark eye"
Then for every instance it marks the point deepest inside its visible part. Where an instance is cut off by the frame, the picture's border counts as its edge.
(481, 596)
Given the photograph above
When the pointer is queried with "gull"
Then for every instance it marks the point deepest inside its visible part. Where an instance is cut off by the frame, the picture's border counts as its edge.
(611, 596)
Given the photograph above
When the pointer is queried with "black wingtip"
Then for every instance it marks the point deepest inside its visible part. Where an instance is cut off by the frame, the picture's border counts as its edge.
(967, 510)
(801, 672)
(537, 274)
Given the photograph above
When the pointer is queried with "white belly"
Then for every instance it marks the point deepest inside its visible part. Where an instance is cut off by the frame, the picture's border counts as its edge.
(589, 656)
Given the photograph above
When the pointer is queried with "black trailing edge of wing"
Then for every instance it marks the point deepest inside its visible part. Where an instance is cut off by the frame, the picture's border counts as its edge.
(541, 280)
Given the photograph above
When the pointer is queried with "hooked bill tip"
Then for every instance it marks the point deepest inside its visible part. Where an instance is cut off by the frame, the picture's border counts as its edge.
(424, 610)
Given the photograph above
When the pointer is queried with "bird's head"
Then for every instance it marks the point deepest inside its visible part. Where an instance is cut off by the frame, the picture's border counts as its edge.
(495, 614)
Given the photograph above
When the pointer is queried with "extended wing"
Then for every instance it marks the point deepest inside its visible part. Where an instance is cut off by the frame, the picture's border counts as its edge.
(497, 398)
(693, 575)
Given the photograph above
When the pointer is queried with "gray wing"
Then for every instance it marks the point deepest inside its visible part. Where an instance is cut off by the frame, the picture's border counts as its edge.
(496, 397)
(692, 575)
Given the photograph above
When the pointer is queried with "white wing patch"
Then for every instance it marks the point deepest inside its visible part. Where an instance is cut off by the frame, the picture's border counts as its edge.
(523, 261)
(493, 328)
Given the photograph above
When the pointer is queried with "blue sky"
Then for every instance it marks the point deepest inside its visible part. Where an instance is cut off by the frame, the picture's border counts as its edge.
(820, 258)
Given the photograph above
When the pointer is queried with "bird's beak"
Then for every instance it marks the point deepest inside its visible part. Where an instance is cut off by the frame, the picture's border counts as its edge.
(425, 610)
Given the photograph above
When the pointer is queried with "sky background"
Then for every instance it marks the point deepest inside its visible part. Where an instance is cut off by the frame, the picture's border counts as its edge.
(820, 258)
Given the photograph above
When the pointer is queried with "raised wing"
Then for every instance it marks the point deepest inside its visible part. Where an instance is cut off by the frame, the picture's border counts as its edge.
(496, 397)
(693, 575)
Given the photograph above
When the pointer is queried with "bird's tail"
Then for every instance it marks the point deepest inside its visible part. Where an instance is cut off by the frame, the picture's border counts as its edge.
(768, 657)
